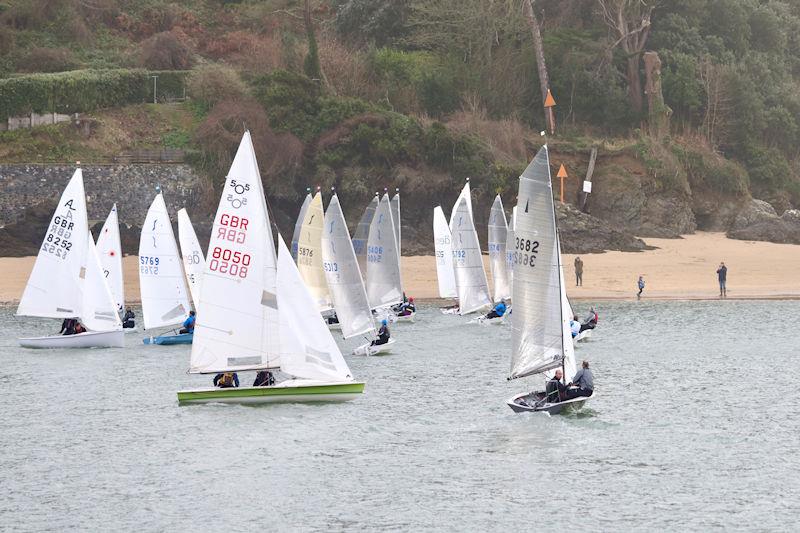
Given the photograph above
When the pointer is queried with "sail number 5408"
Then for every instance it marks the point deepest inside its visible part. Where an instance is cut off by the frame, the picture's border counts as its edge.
(229, 262)
(525, 252)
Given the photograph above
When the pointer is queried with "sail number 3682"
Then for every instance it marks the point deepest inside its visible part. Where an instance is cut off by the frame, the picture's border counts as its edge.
(525, 252)
(228, 262)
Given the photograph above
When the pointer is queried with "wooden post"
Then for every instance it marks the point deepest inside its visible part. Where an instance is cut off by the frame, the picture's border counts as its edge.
(562, 173)
(589, 172)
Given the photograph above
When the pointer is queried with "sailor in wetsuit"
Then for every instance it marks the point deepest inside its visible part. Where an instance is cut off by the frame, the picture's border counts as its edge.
(188, 324)
(498, 311)
(127, 320)
(383, 334)
(556, 391)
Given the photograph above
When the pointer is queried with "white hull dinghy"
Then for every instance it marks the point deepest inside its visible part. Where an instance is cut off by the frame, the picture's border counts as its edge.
(376, 349)
(88, 339)
(68, 281)
(541, 337)
(449, 310)
(281, 328)
(534, 402)
(496, 321)
(471, 283)
(405, 318)
(289, 391)
(583, 336)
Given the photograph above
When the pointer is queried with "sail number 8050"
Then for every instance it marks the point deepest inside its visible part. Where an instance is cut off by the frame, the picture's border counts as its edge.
(525, 253)
(228, 262)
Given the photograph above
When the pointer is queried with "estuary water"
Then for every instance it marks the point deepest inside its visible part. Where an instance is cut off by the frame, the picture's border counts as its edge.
(694, 426)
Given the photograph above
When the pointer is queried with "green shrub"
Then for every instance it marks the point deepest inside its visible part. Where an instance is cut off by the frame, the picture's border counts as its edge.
(210, 84)
(707, 170)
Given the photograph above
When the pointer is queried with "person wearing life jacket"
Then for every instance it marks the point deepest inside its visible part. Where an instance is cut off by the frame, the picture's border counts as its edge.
(383, 334)
(407, 308)
(555, 390)
(127, 320)
(575, 326)
(226, 380)
(591, 320)
(264, 378)
(68, 326)
(188, 324)
(498, 311)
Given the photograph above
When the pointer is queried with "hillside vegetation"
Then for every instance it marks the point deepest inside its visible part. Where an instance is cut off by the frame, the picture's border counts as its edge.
(421, 94)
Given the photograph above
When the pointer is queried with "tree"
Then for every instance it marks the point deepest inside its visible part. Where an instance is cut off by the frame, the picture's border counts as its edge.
(629, 20)
(544, 80)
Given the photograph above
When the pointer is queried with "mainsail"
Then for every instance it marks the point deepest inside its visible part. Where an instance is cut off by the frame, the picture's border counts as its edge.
(498, 233)
(55, 286)
(443, 246)
(165, 298)
(307, 348)
(98, 309)
(299, 224)
(237, 318)
(343, 275)
(473, 288)
(510, 243)
(540, 335)
(384, 287)
(465, 193)
(309, 254)
(361, 235)
(109, 249)
(194, 262)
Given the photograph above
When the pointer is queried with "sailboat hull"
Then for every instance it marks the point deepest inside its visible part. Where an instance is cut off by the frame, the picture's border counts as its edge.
(405, 318)
(292, 391)
(168, 340)
(583, 336)
(90, 339)
(532, 402)
(378, 349)
(482, 320)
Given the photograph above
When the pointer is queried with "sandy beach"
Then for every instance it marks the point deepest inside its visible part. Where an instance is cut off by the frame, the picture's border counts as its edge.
(678, 269)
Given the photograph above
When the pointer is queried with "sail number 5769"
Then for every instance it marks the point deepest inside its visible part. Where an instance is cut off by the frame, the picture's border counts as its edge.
(525, 252)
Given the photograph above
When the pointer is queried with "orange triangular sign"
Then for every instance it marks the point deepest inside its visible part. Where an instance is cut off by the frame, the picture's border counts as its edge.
(562, 172)
(549, 101)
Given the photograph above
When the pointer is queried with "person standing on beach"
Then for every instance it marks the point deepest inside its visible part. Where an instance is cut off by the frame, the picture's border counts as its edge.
(722, 276)
(640, 284)
(578, 272)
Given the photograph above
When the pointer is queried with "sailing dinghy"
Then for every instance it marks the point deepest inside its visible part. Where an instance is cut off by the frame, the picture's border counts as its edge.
(165, 297)
(361, 235)
(443, 247)
(67, 280)
(192, 254)
(255, 311)
(309, 254)
(343, 276)
(109, 249)
(471, 283)
(541, 340)
(498, 233)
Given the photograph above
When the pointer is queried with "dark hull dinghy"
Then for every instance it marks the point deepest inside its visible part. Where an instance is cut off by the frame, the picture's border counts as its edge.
(534, 402)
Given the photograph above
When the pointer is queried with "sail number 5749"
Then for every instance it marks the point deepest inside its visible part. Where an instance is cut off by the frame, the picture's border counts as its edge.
(525, 252)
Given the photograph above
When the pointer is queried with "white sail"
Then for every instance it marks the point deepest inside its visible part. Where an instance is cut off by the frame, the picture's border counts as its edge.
(309, 254)
(465, 193)
(237, 319)
(498, 233)
(473, 288)
(109, 249)
(510, 250)
(570, 367)
(443, 246)
(384, 287)
(99, 310)
(55, 286)
(537, 333)
(299, 224)
(165, 298)
(396, 219)
(344, 277)
(361, 235)
(307, 347)
(193, 261)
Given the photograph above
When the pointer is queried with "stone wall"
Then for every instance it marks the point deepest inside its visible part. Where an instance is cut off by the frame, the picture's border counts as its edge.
(132, 187)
